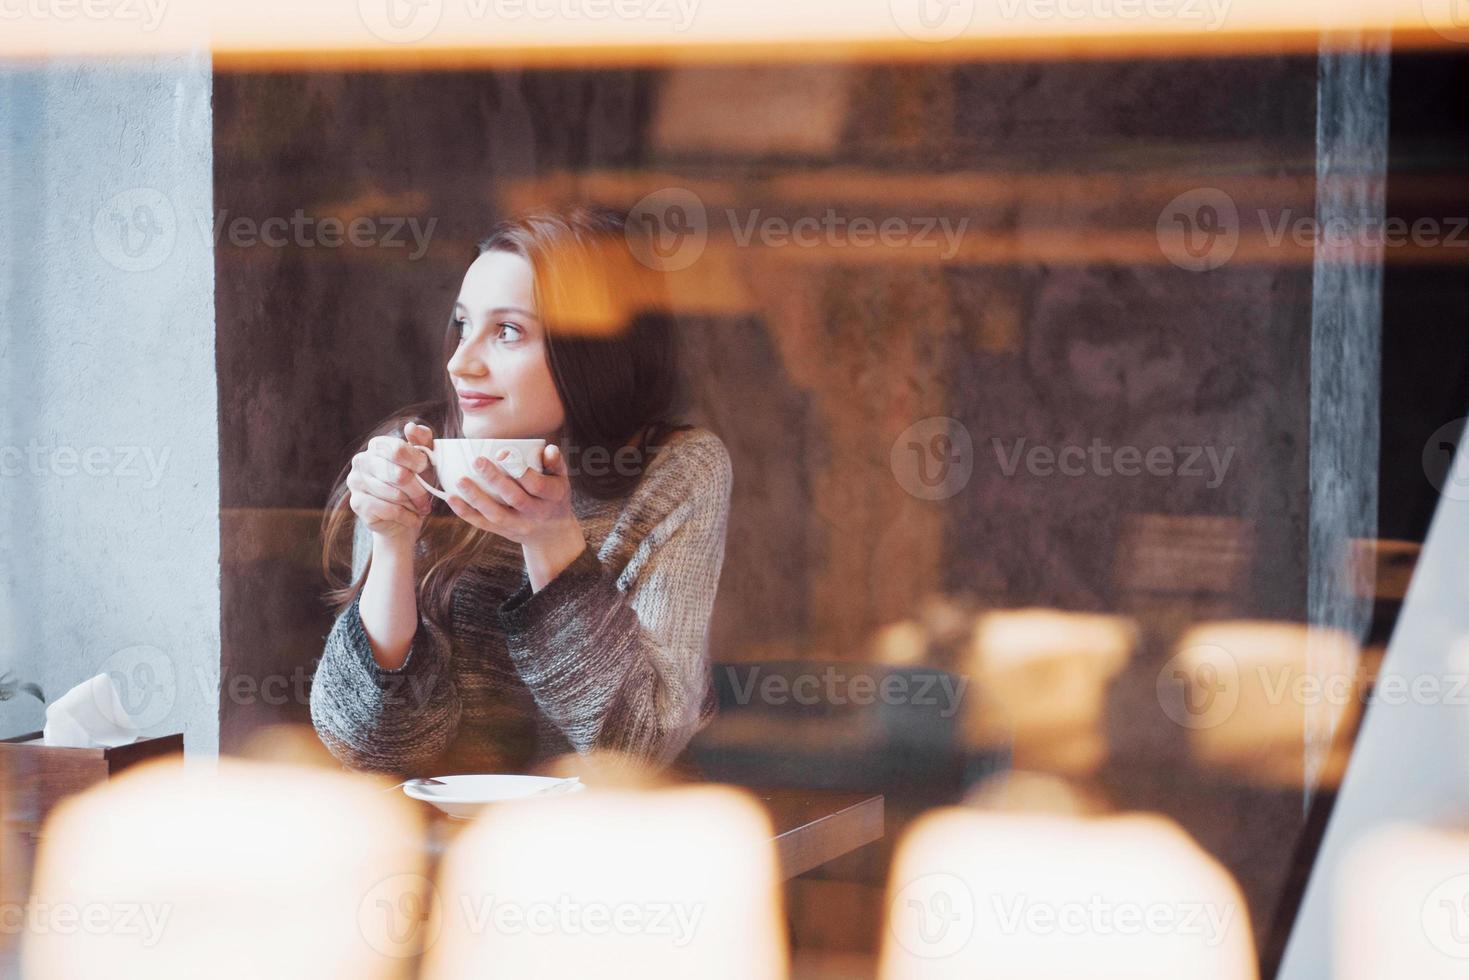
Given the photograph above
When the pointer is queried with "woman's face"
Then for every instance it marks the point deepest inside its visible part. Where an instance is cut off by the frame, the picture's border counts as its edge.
(502, 354)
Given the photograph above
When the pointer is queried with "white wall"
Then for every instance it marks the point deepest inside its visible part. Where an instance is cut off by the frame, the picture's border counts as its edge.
(109, 456)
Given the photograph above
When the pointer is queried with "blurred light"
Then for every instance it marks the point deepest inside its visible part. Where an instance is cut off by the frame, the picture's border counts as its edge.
(1043, 677)
(287, 744)
(595, 288)
(15, 850)
(1018, 791)
(257, 870)
(1253, 694)
(942, 624)
(613, 883)
(1028, 896)
(1380, 568)
(1401, 906)
(901, 644)
(275, 34)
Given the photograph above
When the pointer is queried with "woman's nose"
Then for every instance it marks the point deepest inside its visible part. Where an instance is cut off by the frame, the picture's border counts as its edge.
(465, 362)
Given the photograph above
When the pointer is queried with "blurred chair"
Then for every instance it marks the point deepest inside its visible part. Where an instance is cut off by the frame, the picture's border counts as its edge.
(1401, 906)
(612, 883)
(258, 870)
(1267, 703)
(1027, 896)
(1044, 674)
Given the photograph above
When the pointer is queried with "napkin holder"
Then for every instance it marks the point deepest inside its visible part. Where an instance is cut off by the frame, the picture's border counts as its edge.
(39, 775)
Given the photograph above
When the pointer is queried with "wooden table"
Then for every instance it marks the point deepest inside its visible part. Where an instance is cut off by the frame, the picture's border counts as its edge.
(812, 827)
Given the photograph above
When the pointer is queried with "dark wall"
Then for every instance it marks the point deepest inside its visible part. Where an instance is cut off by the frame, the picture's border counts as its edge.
(1425, 317)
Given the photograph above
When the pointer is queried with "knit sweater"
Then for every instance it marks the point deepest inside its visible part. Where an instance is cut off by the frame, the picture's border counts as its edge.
(611, 654)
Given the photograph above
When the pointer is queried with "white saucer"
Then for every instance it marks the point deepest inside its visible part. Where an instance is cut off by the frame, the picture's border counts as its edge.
(464, 796)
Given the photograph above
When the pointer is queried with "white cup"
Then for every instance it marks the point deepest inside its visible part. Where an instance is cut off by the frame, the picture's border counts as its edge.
(454, 458)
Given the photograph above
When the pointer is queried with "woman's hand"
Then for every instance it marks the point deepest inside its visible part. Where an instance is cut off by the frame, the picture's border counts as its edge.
(537, 514)
(385, 496)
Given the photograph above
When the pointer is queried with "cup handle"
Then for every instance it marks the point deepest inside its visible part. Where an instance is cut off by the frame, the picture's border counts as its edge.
(423, 483)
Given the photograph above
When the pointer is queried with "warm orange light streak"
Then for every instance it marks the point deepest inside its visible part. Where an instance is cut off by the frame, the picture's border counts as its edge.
(399, 34)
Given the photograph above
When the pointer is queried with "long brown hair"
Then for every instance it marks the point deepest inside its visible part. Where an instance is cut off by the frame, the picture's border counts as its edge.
(611, 348)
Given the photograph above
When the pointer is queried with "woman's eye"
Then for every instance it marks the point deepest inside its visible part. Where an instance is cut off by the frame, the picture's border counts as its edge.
(504, 331)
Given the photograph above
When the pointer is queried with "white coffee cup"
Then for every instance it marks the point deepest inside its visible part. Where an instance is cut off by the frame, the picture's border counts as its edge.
(454, 458)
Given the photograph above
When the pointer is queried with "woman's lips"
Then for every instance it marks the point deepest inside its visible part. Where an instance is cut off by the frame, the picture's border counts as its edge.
(477, 401)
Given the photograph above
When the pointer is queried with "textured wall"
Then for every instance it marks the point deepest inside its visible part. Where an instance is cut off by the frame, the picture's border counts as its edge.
(109, 492)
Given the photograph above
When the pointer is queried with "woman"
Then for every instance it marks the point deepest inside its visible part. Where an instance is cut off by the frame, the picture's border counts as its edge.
(574, 616)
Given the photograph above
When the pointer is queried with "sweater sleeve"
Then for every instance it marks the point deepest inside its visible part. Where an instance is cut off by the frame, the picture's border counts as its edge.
(393, 721)
(620, 660)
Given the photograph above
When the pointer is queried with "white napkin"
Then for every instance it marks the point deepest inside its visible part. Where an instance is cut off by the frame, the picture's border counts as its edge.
(89, 715)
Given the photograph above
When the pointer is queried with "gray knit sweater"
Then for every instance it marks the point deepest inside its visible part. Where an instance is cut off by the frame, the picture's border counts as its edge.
(611, 654)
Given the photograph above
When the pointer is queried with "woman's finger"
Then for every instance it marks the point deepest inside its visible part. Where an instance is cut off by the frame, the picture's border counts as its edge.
(554, 461)
(396, 450)
(497, 478)
(372, 508)
(363, 482)
(389, 472)
(552, 483)
(419, 435)
(490, 508)
(465, 512)
(539, 485)
(372, 486)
